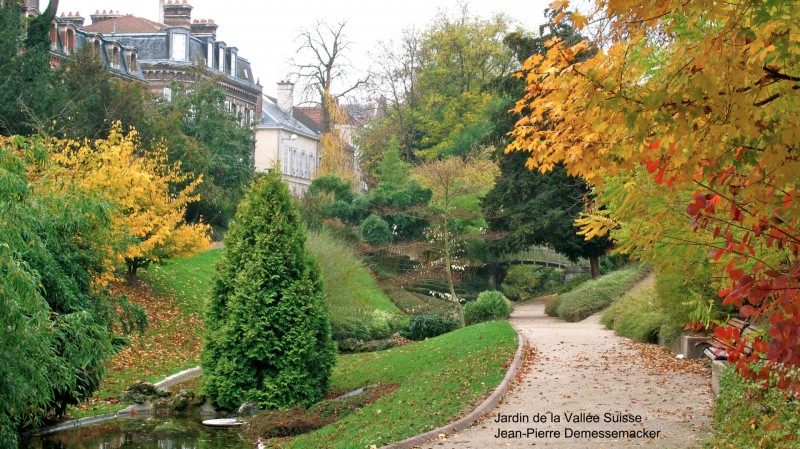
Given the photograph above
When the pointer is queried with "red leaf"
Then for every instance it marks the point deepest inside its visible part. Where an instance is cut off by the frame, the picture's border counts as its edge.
(654, 145)
(660, 177)
(652, 166)
(747, 311)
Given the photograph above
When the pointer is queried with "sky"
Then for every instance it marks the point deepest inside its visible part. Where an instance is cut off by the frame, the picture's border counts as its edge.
(265, 31)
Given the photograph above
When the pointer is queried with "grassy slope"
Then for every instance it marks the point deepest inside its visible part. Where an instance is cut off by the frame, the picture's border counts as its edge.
(597, 294)
(637, 314)
(173, 297)
(349, 286)
(439, 380)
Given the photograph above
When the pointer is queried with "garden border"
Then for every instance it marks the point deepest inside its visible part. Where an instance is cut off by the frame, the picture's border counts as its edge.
(483, 408)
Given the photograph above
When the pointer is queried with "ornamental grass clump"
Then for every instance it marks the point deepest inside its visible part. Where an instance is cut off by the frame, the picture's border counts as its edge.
(268, 337)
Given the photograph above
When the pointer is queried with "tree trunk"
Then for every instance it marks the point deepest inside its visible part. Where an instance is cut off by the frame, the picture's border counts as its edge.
(594, 263)
(449, 270)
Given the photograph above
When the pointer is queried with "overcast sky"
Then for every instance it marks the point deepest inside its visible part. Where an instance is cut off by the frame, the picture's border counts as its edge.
(265, 31)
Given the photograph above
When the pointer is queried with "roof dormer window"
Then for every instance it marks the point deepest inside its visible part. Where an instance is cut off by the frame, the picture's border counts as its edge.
(178, 47)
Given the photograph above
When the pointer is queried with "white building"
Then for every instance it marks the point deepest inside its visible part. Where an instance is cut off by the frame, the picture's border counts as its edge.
(285, 144)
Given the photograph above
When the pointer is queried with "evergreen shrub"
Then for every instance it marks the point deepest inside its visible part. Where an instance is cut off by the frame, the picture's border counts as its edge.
(490, 305)
(375, 230)
(268, 338)
(429, 325)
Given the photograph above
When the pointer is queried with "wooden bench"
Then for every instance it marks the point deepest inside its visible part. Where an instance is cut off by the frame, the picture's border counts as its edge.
(718, 350)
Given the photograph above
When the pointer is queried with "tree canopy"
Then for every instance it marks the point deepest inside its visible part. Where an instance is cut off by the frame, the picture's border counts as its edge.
(695, 94)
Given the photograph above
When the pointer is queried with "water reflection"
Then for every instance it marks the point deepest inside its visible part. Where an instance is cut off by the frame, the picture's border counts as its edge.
(150, 433)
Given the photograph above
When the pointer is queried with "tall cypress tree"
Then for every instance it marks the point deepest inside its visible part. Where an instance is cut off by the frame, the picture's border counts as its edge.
(267, 330)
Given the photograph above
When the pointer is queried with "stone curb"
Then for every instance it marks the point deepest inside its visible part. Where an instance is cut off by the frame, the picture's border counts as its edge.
(169, 381)
(485, 407)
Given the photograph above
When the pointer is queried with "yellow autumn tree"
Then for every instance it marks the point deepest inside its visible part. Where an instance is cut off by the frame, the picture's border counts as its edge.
(148, 215)
(699, 97)
(338, 157)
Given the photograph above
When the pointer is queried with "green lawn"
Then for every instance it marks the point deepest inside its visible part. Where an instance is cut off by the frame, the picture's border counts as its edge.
(173, 296)
(439, 380)
(187, 281)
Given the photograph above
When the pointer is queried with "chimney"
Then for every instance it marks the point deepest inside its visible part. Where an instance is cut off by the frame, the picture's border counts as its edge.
(30, 8)
(286, 97)
(72, 18)
(178, 13)
(204, 27)
(105, 15)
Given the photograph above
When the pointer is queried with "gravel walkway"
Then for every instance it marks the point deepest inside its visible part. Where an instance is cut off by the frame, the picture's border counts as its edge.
(586, 379)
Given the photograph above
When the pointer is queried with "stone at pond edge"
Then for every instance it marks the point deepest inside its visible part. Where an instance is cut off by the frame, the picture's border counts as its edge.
(207, 409)
(247, 409)
(182, 400)
(141, 391)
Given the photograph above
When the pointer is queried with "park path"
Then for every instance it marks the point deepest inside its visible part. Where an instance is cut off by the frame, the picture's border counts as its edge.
(584, 368)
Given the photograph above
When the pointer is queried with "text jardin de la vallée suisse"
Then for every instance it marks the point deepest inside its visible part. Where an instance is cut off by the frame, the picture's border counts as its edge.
(569, 430)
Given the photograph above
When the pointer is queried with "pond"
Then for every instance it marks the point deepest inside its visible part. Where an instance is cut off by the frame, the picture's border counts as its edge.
(145, 433)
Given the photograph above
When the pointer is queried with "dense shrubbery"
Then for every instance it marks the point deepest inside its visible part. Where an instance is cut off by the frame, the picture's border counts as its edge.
(490, 305)
(375, 230)
(574, 282)
(267, 330)
(58, 321)
(377, 325)
(750, 414)
(523, 282)
(595, 295)
(637, 314)
(427, 326)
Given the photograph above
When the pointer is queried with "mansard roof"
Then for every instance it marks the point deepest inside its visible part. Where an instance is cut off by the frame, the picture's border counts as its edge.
(127, 24)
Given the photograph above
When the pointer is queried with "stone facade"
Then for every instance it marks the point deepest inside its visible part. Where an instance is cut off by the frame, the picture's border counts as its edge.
(160, 53)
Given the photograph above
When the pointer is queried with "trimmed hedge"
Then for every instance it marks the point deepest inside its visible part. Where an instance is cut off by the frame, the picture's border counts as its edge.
(428, 326)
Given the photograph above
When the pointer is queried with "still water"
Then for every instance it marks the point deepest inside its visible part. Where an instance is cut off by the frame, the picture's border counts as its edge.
(141, 433)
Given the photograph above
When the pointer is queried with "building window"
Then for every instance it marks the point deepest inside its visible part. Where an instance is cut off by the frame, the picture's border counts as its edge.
(233, 64)
(179, 47)
(69, 42)
(221, 59)
(113, 57)
(210, 55)
(132, 64)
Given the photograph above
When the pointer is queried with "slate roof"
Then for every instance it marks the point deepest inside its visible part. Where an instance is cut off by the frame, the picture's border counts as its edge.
(127, 24)
(310, 116)
(273, 117)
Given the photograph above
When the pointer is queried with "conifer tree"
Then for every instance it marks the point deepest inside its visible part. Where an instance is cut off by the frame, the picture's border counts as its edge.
(267, 329)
